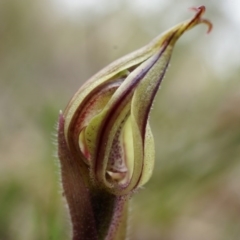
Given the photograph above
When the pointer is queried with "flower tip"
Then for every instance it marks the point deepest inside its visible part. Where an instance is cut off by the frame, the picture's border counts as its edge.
(199, 12)
(209, 24)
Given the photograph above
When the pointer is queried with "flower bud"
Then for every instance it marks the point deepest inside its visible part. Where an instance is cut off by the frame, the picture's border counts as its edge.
(105, 143)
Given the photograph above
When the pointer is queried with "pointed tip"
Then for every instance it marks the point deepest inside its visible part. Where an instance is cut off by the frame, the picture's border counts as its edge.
(199, 12)
(201, 9)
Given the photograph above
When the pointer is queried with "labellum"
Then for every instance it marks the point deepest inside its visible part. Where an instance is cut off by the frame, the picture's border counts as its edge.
(106, 147)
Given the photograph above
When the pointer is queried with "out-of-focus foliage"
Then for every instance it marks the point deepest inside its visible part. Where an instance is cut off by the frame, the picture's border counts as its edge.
(46, 53)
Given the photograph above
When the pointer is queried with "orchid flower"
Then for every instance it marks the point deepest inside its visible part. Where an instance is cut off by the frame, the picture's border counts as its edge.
(105, 143)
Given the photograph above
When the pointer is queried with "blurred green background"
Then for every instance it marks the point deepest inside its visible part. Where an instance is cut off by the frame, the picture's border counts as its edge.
(49, 48)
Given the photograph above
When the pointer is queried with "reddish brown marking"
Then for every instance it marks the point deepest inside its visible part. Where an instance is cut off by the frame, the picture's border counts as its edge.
(200, 11)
